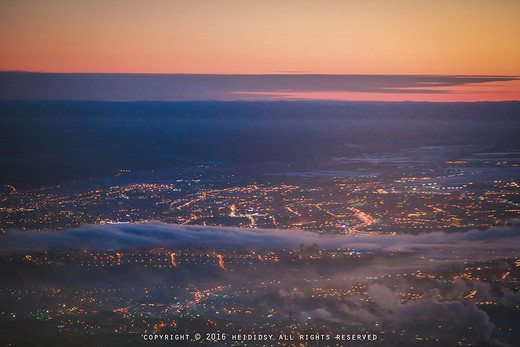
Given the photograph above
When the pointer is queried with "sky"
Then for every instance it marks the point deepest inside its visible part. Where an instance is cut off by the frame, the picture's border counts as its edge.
(343, 37)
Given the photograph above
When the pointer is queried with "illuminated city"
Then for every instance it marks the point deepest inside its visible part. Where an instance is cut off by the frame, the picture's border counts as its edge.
(329, 253)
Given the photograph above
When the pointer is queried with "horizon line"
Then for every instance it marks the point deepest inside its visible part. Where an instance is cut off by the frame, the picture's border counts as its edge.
(290, 73)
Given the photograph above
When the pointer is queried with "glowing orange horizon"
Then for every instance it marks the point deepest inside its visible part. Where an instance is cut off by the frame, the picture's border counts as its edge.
(504, 91)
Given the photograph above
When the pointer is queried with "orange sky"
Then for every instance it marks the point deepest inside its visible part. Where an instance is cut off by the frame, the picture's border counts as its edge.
(453, 37)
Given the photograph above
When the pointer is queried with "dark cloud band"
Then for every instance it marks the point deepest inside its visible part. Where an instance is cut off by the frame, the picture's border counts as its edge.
(182, 87)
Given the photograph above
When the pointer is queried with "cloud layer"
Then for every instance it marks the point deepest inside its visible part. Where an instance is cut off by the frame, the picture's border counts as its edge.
(499, 240)
(443, 309)
(134, 87)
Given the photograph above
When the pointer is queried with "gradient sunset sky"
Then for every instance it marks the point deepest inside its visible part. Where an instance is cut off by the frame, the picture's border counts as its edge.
(400, 37)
